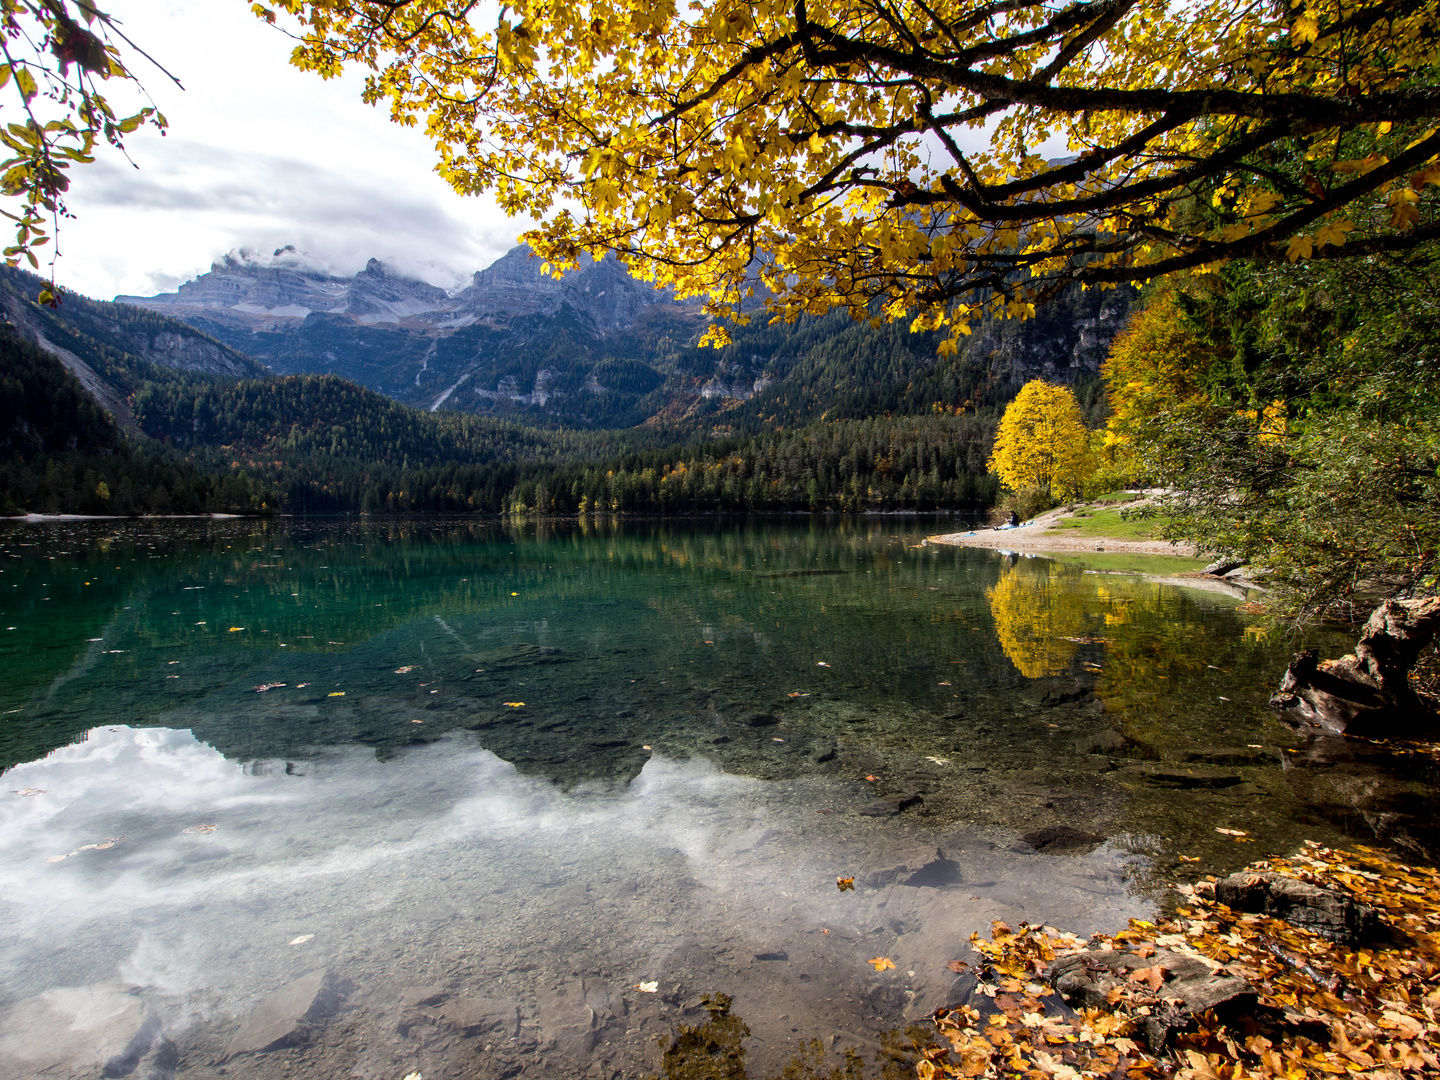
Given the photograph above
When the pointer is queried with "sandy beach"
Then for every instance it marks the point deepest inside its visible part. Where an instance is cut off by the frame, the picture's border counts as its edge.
(1038, 538)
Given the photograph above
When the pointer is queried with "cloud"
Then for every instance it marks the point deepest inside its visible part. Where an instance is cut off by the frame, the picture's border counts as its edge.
(260, 156)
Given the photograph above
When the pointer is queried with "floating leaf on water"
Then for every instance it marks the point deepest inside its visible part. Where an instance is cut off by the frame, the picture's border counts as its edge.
(336, 693)
(709, 643)
(515, 704)
(777, 739)
(944, 684)
(647, 987)
(265, 686)
(236, 629)
(938, 760)
(1231, 832)
(826, 811)
(872, 778)
(1189, 858)
(1256, 746)
(413, 1076)
(845, 884)
(26, 793)
(796, 693)
(301, 685)
(57, 858)
(957, 966)
(881, 963)
(821, 663)
(196, 830)
(644, 748)
(417, 721)
(406, 669)
(302, 939)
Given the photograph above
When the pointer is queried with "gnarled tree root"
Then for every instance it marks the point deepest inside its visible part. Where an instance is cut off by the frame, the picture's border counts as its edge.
(1368, 692)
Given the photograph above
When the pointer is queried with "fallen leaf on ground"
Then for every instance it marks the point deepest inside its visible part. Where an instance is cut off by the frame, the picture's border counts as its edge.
(881, 963)
(1153, 977)
(938, 760)
(845, 884)
(1189, 858)
(646, 987)
(1230, 832)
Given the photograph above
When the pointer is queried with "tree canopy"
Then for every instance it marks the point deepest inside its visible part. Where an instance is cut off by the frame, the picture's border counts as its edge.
(915, 159)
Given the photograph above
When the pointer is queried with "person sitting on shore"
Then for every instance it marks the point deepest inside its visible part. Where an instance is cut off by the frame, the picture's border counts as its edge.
(1012, 523)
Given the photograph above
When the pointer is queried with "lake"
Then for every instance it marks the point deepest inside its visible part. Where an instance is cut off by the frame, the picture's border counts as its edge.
(337, 798)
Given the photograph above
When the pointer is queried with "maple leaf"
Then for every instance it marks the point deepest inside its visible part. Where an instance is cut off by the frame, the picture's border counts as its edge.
(845, 884)
(1153, 977)
(881, 963)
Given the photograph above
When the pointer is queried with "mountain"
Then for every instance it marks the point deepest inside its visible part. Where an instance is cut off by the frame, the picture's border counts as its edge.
(600, 349)
(513, 341)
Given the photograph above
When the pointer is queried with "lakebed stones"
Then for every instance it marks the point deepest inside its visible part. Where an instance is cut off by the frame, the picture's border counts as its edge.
(434, 1006)
(85, 1033)
(291, 1016)
(1328, 913)
(1175, 987)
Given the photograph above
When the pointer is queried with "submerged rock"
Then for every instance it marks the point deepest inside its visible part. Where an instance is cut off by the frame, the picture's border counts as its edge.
(103, 1030)
(289, 1017)
(1062, 840)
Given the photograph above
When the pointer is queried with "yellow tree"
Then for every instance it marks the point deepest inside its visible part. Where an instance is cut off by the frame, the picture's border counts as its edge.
(1155, 367)
(1042, 442)
(920, 159)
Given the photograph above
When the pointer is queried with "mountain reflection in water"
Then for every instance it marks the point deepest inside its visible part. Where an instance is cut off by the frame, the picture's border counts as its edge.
(459, 789)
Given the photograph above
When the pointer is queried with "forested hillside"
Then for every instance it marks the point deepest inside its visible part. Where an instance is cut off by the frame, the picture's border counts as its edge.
(60, 452)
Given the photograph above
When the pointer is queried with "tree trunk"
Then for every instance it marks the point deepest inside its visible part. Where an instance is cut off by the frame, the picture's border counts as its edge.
(1368, 692)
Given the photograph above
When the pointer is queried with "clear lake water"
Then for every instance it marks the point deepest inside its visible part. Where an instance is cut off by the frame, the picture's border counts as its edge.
(341, 798)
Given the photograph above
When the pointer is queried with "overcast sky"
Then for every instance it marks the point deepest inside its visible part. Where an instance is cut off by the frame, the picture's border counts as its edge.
(260, 155)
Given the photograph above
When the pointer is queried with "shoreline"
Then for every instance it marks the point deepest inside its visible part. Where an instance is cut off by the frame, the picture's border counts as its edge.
(1028, 538)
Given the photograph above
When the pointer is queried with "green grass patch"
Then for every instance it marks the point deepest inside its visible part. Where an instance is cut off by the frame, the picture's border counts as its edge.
(1125, 563)
(1102, 523)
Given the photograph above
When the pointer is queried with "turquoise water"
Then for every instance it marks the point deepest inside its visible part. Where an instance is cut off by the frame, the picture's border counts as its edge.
(487, 780)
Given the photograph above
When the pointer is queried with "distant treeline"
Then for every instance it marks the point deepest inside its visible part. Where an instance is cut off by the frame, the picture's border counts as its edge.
(886, 463)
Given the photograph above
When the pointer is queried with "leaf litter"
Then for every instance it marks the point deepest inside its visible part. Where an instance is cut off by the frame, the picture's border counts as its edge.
(1324, 1009)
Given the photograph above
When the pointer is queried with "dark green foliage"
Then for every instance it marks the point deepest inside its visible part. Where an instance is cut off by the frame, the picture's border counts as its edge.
(1337, 493)
(43, 408)
(62, 453)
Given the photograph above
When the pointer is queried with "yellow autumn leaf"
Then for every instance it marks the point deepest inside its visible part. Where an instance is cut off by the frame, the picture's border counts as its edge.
(881, 963)
(515, 704)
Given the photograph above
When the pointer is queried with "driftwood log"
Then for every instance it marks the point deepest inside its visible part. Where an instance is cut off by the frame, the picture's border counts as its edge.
(1366, 693)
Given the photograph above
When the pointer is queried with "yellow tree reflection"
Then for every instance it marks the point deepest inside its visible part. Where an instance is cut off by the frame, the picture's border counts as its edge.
(1037, 608)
